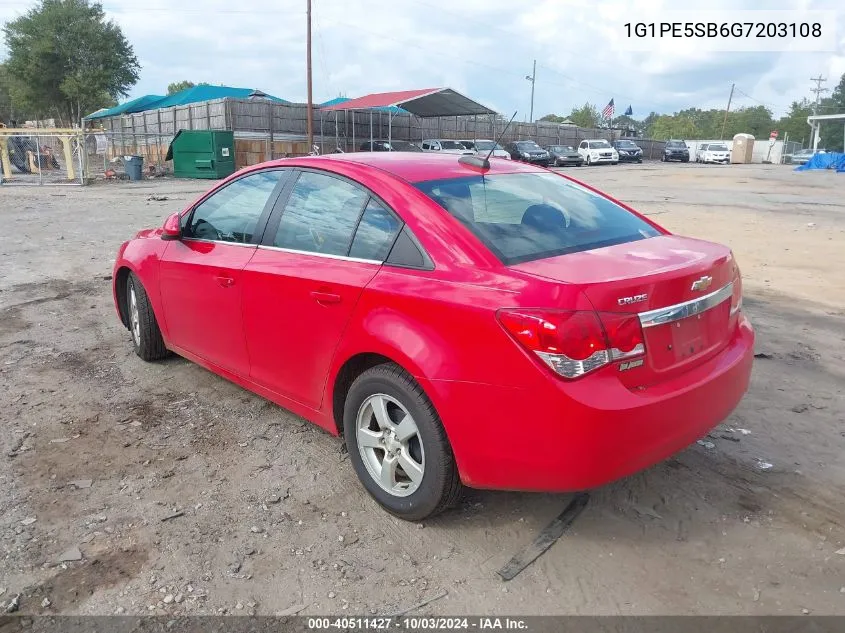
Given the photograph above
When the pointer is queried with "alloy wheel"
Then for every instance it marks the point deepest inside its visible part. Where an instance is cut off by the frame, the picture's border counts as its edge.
(390, 445)
(134, 319)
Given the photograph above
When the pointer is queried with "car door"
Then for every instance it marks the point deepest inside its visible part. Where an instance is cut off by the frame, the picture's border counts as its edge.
(582, 150)
(325, 241)
(201, 273)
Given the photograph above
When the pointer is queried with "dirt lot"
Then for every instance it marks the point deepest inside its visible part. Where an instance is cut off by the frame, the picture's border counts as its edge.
(273, 519)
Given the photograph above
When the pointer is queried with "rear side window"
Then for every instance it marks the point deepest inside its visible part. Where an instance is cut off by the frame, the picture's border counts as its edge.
(523, 217)
(375, 234)
(231, 214)
(321, 215)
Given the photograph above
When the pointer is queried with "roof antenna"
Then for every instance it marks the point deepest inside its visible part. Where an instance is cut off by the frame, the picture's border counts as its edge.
(496, 142)
(484, 163)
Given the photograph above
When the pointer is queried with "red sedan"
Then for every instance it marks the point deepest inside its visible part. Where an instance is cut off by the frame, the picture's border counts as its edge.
(492, 325)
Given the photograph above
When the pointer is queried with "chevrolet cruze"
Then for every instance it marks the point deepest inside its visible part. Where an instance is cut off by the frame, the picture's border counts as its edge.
(459, 322)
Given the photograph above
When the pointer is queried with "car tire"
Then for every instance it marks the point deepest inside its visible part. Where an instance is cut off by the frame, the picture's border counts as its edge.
(589, 161)
(426, 450)
(616, 162)
(142, 323)
(685, 160)
(639, 160)
(663, 158)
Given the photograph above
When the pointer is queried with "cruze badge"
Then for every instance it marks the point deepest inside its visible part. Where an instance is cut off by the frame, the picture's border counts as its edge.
(702, 284)
(624, 301)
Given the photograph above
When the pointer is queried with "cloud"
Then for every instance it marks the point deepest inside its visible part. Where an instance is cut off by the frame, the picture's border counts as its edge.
(484, 48)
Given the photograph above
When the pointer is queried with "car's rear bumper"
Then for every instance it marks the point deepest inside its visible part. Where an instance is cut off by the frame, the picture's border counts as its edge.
(578, 435)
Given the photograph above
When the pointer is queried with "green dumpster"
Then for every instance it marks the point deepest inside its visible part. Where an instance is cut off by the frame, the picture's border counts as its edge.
(202, 154)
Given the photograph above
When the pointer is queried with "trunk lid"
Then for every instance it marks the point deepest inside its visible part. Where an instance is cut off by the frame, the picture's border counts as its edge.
(645, 276)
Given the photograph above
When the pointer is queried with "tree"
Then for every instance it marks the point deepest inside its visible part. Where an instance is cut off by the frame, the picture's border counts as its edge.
(674, 126)
(586, 116)
(794, 123)
(66, 59)
(552, 118)
(7, 109)
(179, 86)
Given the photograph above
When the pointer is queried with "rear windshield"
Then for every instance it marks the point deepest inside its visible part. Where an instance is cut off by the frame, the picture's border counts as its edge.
(523, 217)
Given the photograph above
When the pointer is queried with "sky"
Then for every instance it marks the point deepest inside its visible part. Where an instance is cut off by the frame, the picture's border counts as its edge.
(482, 48)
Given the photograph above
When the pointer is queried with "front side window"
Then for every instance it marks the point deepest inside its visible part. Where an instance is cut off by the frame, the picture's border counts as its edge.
(321, 215)
(523, 217)
(231, 214)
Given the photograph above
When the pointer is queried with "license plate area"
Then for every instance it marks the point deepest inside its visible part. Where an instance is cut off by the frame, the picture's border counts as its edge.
(680, 342)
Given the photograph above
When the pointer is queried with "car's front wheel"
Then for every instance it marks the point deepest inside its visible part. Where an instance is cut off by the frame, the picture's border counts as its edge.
(398, 445)
(142, 323)
(589, 161)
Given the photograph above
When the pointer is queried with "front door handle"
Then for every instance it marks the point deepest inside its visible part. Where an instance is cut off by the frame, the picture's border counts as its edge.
(226, 282)
(325, 297)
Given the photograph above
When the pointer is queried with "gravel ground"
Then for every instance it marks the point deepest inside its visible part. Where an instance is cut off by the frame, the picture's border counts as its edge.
(128, 487)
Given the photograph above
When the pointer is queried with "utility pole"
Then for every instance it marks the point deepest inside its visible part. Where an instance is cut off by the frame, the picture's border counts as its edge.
(725, 120)
(814, 129)
(310, 120)
(532, 78)
(818, 90)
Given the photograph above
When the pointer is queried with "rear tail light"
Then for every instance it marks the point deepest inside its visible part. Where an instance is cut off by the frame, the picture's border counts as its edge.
(736, 297)
(574, 343)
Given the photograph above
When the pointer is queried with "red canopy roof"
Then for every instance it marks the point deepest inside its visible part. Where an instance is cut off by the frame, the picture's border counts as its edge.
(428, 102)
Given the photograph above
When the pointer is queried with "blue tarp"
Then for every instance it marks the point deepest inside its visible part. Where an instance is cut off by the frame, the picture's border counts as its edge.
(196, 94)
(830, 160)
(135, 105)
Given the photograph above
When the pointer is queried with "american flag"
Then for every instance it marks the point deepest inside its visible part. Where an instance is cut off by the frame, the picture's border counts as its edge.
(607, 113)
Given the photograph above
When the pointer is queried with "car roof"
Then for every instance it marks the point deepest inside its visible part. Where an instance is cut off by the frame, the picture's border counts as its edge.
(414, 167)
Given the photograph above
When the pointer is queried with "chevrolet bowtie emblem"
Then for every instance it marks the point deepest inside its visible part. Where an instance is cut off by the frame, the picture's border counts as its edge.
(702, 284)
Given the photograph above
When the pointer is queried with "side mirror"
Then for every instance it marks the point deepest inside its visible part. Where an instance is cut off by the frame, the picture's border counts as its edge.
(172, 229)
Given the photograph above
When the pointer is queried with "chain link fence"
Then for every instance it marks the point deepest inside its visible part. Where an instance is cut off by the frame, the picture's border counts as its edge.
(41, 157)
(105, 152)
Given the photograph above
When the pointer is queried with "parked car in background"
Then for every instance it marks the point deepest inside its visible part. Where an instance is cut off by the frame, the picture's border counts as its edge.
(802, 156)
(445, 146)
(629, 152)
(528, 152)
(596, 151)
(713, 153)
(562, 155)
(382, 145)
(675, 150)
(482, 147)
(309, 282)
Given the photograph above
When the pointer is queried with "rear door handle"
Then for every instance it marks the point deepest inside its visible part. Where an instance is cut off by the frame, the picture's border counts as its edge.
(226, 282)
(325, 297)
